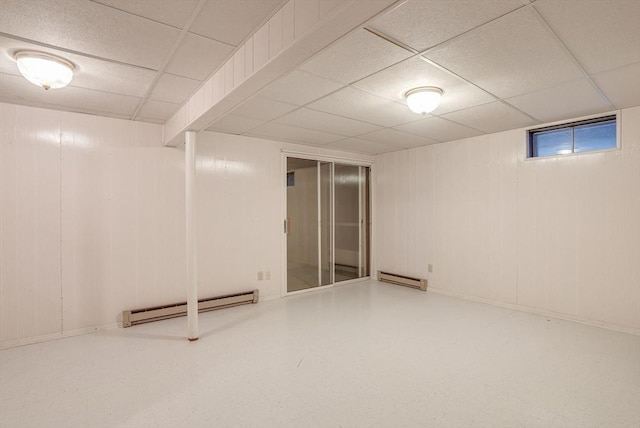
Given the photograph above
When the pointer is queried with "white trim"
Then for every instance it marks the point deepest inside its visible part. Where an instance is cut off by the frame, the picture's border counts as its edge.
(307, 290)
(283, 208)
(326, 158)
(521, 308)
(352, 281)
(319, 218)
(569, 122)
(58, 335)
(284, 154)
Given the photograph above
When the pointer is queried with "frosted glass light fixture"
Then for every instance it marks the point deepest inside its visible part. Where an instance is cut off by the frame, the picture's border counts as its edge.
(424, 99)
(44, 70)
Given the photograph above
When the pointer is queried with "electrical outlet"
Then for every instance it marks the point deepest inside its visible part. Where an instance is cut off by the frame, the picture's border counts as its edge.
(430, 268)
(260, 275)
(267, 275)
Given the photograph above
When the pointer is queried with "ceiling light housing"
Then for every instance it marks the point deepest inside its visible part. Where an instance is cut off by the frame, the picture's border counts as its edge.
(44, 70)
(424, 99)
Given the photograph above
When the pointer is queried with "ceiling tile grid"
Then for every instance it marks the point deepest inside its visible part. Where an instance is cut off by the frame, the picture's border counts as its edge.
(230, 22)
(491, 117)
(173, 89)
(393, 83)
(120, 46)
(294, 134)
(357, 55)
(356, 104)
(16, 89)
(88, 27)
(422, 24)
(175, 13)
(571, 99)
(602, 35)
(197, 56)
(235, 124)
(438, 129)
(157, 111)
(621, 85)
(397, 138)
(365, 147)
(263, 109)
(502, 64)
(300, 88)
(320, 121)
(508, 57)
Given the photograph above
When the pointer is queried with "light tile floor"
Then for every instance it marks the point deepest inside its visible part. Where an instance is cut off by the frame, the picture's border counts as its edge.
(360, 355)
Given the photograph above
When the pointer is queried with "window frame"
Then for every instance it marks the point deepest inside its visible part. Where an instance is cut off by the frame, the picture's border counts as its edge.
(599, 118)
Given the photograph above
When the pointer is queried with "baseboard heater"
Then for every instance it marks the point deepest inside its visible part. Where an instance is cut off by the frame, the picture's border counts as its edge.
(156, 313)
(407, 281)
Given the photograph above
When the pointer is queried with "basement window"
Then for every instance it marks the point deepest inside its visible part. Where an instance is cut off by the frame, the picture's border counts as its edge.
(575, 137)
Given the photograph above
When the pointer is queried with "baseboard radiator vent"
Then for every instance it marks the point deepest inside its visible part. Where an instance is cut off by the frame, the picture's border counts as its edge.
(156, 313)
(407, 281)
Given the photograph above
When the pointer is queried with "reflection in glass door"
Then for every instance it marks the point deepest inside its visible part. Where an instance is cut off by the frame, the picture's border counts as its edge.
(327, 223)
(351, 184)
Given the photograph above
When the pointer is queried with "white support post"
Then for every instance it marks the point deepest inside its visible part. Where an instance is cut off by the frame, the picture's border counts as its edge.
(191, 221)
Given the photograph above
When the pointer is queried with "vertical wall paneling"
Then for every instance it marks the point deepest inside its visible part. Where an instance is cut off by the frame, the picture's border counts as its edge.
(30, 218)
(89, 221)
(92, 219)
(558, 234)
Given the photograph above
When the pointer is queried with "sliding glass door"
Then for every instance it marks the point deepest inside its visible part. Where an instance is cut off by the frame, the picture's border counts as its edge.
(327, 223)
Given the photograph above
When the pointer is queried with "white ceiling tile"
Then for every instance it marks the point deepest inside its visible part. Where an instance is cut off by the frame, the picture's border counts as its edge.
(235, 124)
(509, 56)
(89, 27)
(357, 145)
(89, 72)
(173, 89)
(421, 24)
(572, 99)
(293, 134)
(157, 110)
(396, 138)
(320, 121)
(326, 6)
(395, 81)
(299, 88)
(263, 109)
(232, 21)
(492, 117)
(172, 12)
(621, 86)
(357, 104)
(149, 120)
(601, 34)
(436, 128)
(17, 90)
(197, 57)
(355, 56)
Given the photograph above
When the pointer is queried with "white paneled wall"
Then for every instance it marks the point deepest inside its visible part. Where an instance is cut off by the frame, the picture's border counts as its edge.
(241, 185)
(92, 219)
(89, 221)
(239, 200)
(556, 235)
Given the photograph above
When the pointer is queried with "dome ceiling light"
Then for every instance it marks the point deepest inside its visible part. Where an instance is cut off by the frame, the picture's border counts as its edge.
(44, 70)
(424, 99)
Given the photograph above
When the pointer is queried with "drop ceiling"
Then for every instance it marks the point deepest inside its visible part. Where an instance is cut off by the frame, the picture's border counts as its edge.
(502, 64)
